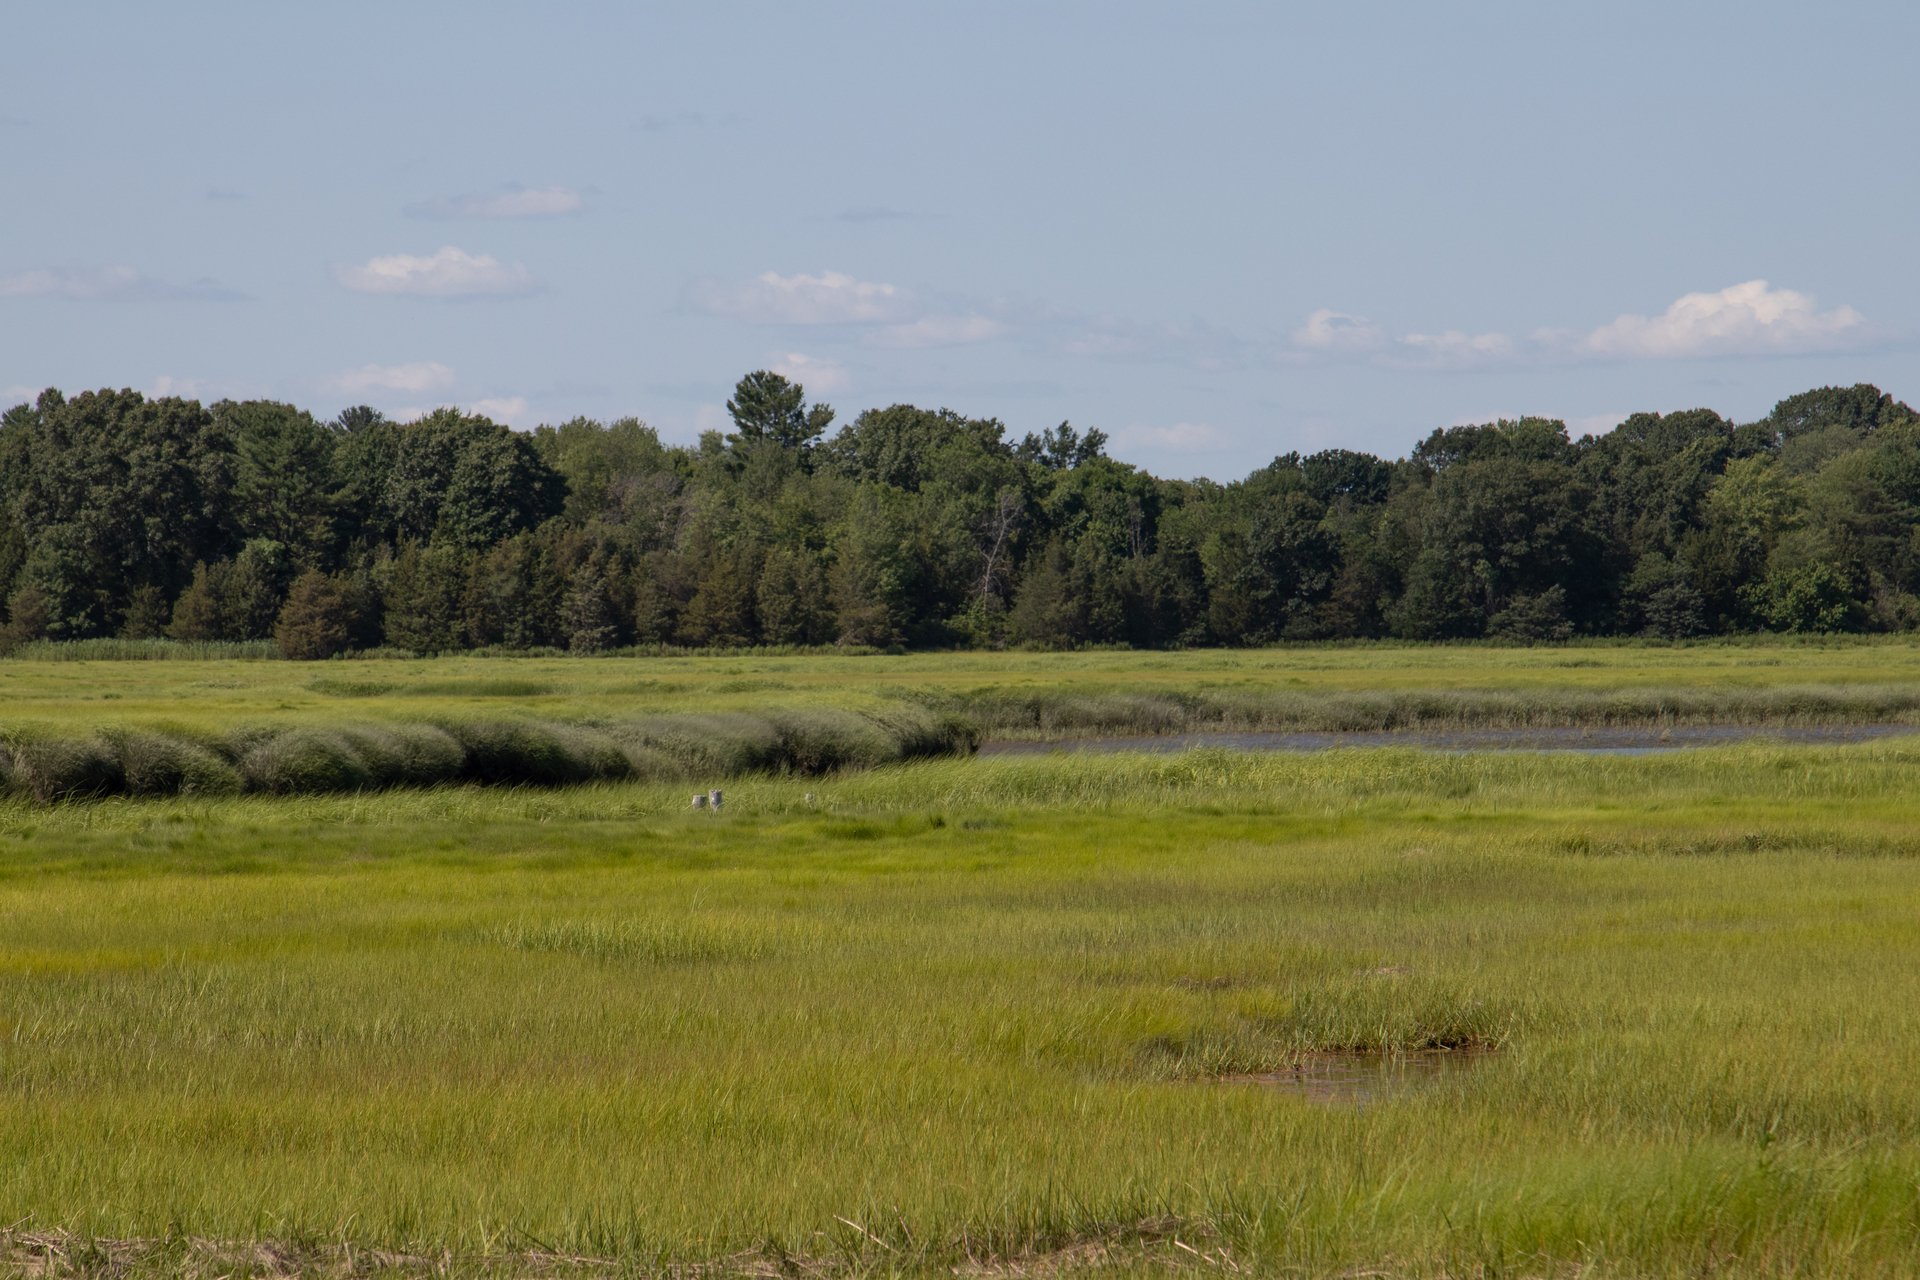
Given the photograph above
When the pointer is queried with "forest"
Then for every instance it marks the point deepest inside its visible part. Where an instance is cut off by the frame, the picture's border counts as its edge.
(132, 516)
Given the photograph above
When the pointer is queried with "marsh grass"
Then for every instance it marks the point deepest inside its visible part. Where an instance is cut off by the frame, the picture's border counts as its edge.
(517, 751)
(649, 942)
(1046, 714)
(153, 650)
(897, 1011)
(974, 1008)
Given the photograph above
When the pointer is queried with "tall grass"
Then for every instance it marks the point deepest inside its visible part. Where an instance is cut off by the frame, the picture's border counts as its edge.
(972, 1017)
(316, 758)
(1063, 713)
(157, 649)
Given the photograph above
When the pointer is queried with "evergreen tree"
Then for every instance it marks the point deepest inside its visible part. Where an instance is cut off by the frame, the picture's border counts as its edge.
(588, 614)
(316, 620)
(26, 616)
(196, 613)
(422, 598)
(147, 613)
(791, 598)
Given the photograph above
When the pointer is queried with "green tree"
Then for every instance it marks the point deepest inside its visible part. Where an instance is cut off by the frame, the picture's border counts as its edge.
(422, 597)
(316, 621)
(252, 589)
(791, 597)
(767, 407)
(196, 613)
(589, 614)
(283, 483)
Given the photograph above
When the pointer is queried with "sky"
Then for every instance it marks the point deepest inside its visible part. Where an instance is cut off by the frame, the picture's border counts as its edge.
(1216, 231)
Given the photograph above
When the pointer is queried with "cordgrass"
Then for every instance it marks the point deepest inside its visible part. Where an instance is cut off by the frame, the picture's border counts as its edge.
(325, 754)
(1011, 694)
(970, 1016)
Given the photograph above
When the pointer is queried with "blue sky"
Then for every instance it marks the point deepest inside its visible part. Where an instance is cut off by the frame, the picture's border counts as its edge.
(1216, 231)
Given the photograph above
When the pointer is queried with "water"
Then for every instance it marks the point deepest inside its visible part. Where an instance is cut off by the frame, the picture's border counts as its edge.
(1583, 740)
(1359, 1079)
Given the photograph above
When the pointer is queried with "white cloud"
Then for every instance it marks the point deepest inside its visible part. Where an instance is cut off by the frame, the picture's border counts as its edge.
(428, 375)
(167, 385)
(17, 393)
(450, 273)
(830, 298)
(510, 201)
(937, 331)
(1743, 319)
(511, 410)
(820, 377)
(108, 284)
(711, 417)
(1336, 331)
(1184, 437)
(1455, 349)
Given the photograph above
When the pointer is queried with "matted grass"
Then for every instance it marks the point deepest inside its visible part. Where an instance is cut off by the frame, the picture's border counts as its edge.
(965, 1015)
(1754, 679)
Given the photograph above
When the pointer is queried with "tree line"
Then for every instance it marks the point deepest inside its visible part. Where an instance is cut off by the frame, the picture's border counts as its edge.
(123, 515)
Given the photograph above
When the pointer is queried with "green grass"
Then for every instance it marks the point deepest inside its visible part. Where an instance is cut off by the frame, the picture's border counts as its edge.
(1877, 674)
(973, 1009)
(326, 754)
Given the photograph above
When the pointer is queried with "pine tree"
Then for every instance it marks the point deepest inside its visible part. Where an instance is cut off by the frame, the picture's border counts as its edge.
(26, 616)
(196, 614)
(422, 598)
(655, 615)
(721, 611)
(146, 615)
(316, 621)
(587, 614)
(791, 597)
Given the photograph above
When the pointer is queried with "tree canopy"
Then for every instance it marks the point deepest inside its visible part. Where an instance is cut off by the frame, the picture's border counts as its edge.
(129, 515)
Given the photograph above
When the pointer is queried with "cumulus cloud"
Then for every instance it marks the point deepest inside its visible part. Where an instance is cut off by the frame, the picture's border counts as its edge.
(109, 284)
(185, 388)
(830, 298)
(1455, 349)
(1336, 331)
(450, 273)
(821, 377)
(937, 331)
(510, 201)
(511, 410)
(1743, 319)
(413, 379)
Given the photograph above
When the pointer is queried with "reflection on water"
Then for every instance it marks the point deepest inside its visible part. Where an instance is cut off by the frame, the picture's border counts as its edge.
(1579, 739)
(1357, 1079)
